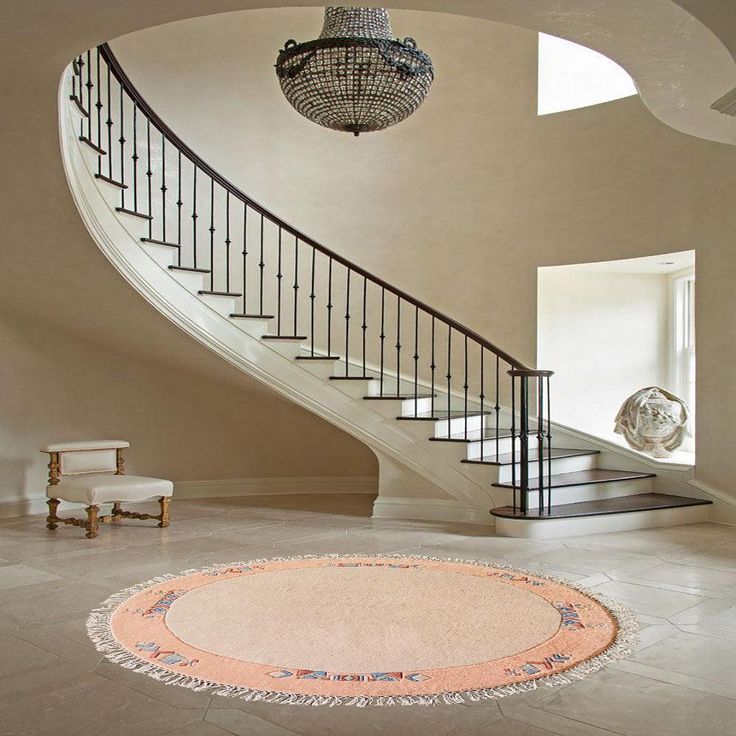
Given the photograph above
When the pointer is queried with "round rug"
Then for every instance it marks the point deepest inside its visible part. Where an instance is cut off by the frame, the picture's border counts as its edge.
(361, 630)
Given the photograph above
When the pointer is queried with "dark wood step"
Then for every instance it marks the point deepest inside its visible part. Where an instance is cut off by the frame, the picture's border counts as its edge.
(79, 105)
(618, 505)
(283, 337)
(160, 242)
(508, 458)
(205, 292)
(126, 211)
(252, 316)
(189, 269)
(582, 478)
(403, 397)
(115, 183)
(351, 378)
(317, 357)
(439, 416)
(93, 146)
(489, 436)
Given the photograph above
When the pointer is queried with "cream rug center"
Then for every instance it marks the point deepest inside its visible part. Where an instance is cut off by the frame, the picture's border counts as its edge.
(362, 619)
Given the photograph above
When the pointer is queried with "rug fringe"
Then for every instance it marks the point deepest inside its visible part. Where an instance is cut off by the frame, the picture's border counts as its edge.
(100, 632)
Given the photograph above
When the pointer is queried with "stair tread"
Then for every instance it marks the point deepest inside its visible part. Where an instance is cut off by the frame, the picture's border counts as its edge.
(439, 416)
(207, 292)
(474, 436)
(351, 378)
(618, 505)
(236, 315)
(284, 337)
(189, 268)
(402, 397)
(126, 211)
(583, 477)
(317, 357)
(508, 459)
(160, 242)
(112, 181)
(93, 146)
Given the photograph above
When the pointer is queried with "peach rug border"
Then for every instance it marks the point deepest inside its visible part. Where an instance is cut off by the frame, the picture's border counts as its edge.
(99, 629)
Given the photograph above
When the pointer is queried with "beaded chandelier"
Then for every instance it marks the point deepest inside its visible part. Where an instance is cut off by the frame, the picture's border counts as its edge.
(356, 77)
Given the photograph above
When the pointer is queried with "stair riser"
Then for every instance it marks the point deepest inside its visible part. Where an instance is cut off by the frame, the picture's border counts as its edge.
(254, 327)
(390, 408)
(191, 281)
(162, 254)
(476, 449)
(288, 348)
(224, 305)
(574, 494)
(563, 528)
(322, 369)
(559, 465)
(458, 426)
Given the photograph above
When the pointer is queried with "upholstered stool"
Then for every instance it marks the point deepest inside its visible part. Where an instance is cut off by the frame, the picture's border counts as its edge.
(92, 473)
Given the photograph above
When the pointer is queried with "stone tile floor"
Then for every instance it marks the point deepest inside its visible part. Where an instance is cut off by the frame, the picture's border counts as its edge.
(680, 581)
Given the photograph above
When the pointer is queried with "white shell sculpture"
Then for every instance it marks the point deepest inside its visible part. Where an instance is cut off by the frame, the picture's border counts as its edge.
(654, 421)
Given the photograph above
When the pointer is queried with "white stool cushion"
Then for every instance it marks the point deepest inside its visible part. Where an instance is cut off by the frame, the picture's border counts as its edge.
(93, 489)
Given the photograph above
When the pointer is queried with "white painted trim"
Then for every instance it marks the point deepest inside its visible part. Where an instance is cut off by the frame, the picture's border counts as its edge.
(227, 487)
(429, 509)
(723, 510)
(275, 486)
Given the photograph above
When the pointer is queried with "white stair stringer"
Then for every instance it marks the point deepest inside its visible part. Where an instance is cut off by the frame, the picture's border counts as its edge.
(174, 294)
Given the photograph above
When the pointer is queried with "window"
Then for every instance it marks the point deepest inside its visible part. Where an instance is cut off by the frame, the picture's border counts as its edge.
(573, 76)
(683, 339)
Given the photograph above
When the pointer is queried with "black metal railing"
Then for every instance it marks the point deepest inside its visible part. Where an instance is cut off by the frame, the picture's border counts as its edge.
(456, 378)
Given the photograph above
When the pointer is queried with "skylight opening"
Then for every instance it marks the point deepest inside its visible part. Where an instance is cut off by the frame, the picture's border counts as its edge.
(573, 76)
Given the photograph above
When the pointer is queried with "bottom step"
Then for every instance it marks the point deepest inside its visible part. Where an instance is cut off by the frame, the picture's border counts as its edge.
(606, 515)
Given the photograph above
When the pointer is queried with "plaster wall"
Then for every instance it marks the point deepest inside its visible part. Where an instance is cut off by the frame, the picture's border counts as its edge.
(181, 423)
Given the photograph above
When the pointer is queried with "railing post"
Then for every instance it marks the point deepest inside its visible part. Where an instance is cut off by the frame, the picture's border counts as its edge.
(524, 443)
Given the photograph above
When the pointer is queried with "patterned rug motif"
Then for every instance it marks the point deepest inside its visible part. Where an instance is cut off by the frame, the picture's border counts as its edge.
(589, 632)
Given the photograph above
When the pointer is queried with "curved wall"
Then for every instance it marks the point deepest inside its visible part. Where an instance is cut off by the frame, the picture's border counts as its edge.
(462, 202)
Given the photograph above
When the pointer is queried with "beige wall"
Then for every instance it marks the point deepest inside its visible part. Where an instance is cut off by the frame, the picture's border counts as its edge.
(460, 204)
(605, 337)
(210, 424)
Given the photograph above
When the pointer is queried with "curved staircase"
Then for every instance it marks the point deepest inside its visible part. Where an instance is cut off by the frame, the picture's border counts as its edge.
(459, 426)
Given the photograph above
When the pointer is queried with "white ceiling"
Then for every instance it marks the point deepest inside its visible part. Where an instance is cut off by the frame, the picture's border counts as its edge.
(664, 263)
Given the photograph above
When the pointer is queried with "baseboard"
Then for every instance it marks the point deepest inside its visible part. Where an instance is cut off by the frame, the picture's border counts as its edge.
(274, 486)
(429, 509)
(723, 510)
(190, 489)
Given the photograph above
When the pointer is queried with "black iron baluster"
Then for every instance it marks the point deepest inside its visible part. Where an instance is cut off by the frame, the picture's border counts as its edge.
(122, 141)
(296, 285)
(524, 442)
(329, 308)
(227, 241)
(179, 204)
(540, 441)
(449, 376)
(261, 266)
(135, 156)
(513, 437)
(108, 123)
(549, 449)
(432, 369)
(279, 276)
(195, 216)
(164, 188)
(149, 174)
(497, 407)
(482, 397)
(416, 360)
(347, 321)
(212, 234)
(398, 346)
(382, 338)
(364, 325)
(98, 106)
(89, 86)
(465, 389)
(245, 258)
(312, 297)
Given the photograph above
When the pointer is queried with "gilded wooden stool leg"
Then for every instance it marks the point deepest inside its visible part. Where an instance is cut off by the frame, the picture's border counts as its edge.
(92, 520)
(164, 502)
(117, 511)
(52, 518)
